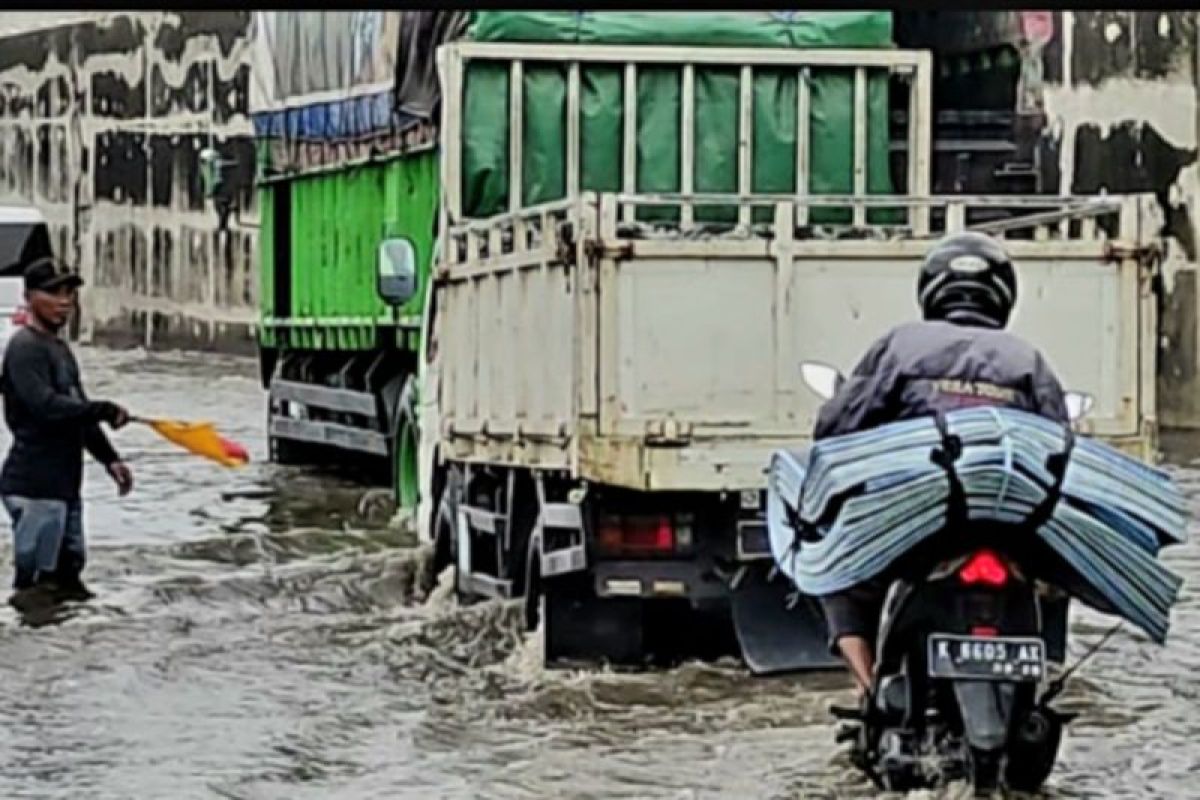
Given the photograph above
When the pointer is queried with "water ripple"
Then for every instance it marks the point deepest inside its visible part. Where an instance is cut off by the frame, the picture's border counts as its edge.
(264, 634)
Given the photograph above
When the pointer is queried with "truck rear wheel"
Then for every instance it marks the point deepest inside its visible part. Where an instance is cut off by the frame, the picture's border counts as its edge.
(445, 524)
(532, 595)
(404, 465)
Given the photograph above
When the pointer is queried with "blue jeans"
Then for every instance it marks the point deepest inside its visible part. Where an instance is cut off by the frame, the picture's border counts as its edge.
(47, 539)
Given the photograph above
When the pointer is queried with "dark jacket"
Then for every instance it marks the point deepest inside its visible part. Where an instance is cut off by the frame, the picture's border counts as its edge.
(920, 368)
(51, 419)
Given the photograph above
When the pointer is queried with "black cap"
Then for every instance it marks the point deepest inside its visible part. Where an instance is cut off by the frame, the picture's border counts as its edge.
(47, 274)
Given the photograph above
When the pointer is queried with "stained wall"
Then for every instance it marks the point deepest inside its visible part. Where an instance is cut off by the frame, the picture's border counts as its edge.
(102, 118)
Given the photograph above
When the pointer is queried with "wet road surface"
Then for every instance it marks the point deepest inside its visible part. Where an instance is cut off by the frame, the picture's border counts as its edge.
(259, 634)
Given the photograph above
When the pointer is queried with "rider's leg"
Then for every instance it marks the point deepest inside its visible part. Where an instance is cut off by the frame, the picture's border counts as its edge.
(861, 660)
(852, 616)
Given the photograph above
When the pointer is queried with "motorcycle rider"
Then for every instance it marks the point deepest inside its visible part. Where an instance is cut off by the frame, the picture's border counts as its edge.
(959, 355)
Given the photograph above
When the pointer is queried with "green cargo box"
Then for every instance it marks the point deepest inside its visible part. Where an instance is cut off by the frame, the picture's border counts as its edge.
(320, 241)
(485, 109)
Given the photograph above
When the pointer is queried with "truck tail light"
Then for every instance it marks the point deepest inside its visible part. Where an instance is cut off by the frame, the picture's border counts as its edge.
(984, 567)
(636, 534)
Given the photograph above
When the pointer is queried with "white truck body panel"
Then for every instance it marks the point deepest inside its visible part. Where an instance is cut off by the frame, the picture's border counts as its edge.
(717, 342)
(568, 339)
(673, 364)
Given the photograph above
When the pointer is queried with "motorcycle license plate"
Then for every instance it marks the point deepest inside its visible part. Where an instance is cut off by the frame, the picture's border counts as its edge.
(999, 658)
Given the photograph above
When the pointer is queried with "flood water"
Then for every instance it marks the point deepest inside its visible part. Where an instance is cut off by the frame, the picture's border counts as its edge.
(258, 634)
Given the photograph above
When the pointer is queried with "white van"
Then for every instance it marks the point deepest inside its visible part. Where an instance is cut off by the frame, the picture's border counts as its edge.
(24, 237)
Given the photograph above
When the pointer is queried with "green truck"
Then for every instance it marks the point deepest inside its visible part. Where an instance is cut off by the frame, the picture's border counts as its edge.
(340, 362)
(556, 291)
(341, 170)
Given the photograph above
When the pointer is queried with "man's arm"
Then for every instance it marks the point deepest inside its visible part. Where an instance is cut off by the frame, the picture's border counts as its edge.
(99, 446)
(862, 397)
(102, 450)
(27, 369)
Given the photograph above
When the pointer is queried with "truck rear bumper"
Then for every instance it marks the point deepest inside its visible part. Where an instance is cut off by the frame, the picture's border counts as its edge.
(691, 580)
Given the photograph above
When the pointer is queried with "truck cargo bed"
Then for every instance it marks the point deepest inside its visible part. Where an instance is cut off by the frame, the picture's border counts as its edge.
(671, 361)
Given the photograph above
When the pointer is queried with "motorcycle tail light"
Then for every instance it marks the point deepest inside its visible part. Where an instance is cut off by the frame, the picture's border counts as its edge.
(985, 567)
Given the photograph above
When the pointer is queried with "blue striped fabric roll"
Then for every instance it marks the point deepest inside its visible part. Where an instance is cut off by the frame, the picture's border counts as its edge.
(865, 499)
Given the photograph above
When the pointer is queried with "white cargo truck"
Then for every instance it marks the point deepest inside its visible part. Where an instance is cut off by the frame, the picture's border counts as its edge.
(600, 394)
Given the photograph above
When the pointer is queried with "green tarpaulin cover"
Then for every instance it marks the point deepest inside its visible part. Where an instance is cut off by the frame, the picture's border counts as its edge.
(485, 122)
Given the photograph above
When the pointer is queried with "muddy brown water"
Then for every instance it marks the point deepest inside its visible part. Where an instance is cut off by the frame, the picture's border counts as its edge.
(258, 634)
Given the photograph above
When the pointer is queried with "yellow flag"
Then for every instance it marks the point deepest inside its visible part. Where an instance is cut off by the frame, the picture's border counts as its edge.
(202, 439)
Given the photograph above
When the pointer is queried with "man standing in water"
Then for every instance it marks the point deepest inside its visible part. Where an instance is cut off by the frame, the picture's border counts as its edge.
(52, 423)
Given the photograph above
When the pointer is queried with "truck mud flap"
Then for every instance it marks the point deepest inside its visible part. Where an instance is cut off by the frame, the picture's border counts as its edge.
(582, 628)
(774, 637)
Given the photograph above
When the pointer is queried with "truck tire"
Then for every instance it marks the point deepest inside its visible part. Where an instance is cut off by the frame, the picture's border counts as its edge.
(445, 524)
(532, 596)
(404, 464)
(402, 455)
(524, 549)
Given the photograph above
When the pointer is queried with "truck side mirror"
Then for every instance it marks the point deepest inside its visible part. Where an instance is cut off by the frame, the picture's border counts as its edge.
(1078, 404)
(823, 379)
(397, 271)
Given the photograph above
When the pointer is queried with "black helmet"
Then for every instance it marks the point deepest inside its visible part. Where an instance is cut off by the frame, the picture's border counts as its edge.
(967, 278)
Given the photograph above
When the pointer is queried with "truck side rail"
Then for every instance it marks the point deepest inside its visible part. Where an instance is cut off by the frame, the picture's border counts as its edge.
(549, 231)
(1132, 219)
(1039, 218)
(522, 234)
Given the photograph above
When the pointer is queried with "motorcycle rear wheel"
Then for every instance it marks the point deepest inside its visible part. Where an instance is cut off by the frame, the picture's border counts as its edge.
(1033, 751)
(985, 771)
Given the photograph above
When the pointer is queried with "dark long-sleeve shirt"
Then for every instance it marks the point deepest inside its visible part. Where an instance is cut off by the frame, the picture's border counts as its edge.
(51, 419)
(920, 368)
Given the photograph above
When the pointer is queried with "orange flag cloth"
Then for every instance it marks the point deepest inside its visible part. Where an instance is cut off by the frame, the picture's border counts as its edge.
(202, 439)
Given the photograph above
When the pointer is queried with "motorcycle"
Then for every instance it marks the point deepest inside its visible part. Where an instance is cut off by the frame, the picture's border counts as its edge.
(961, 684)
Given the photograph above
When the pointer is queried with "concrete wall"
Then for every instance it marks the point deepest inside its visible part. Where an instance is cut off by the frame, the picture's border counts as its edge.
(102, 118)
(1105, 101)
(1123, 116)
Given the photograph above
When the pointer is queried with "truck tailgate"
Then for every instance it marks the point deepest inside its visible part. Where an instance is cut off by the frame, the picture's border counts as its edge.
(700, 344)
(716, 343)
